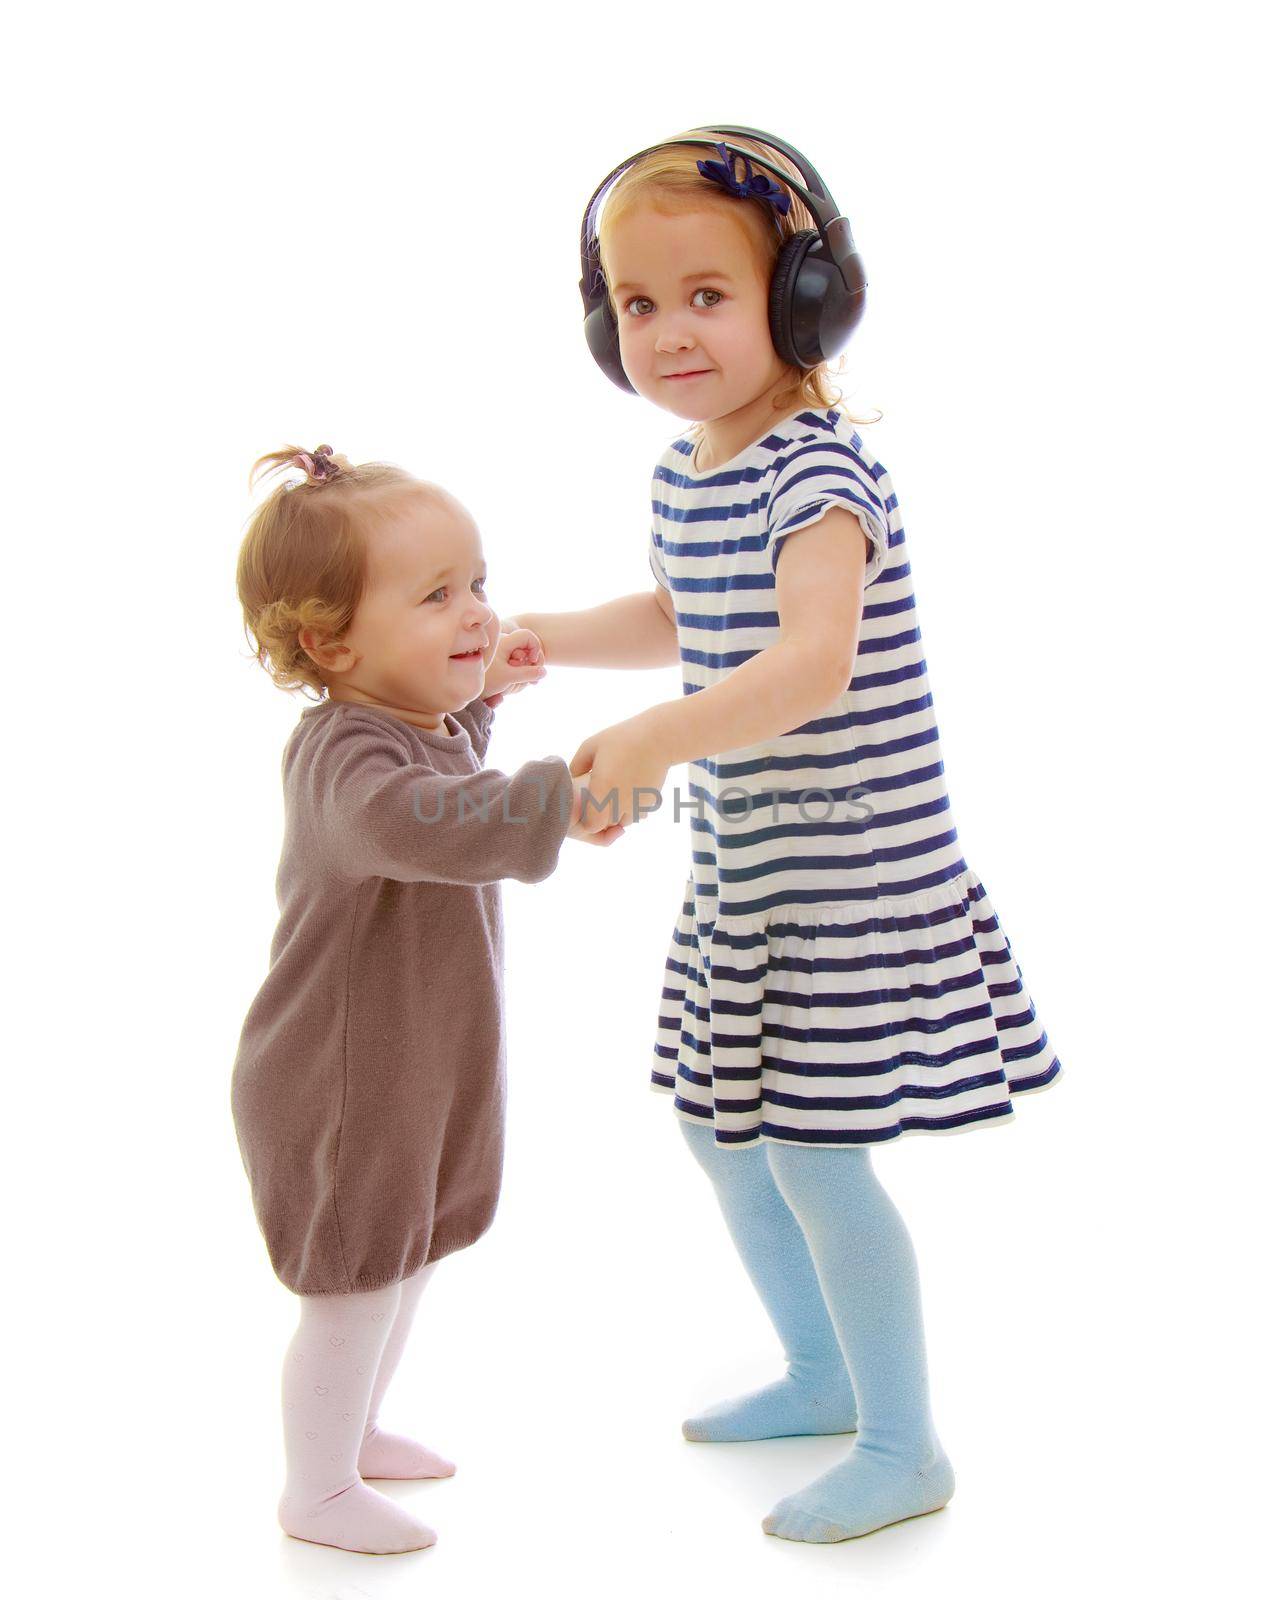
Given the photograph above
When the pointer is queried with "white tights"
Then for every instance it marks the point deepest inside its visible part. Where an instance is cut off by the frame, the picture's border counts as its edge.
(337, 1369)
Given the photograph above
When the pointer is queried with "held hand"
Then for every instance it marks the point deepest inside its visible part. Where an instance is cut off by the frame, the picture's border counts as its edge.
(517, 661)
(578, 828)
(623, 762)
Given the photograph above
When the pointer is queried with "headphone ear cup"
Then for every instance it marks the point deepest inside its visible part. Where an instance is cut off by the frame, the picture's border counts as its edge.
(602, 340)
(782, 320)
(812, 312)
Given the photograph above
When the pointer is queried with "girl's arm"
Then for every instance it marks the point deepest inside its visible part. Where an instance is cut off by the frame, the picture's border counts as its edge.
(819, 598)
(637, 630)
(819, 595)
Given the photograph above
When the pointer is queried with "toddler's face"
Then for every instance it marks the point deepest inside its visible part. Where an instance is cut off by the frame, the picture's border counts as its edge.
(689, 296)
(424, 606)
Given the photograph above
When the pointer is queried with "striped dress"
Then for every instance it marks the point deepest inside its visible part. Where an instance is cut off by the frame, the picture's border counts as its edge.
(837, 973)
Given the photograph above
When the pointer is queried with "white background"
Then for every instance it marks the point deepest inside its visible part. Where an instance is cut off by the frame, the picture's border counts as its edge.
(238, 227)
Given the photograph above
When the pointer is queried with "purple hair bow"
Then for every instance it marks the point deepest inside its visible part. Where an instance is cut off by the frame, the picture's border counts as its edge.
(316, 463)
(755, 186)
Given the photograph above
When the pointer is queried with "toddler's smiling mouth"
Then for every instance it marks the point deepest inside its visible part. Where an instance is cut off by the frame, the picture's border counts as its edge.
(469, 655)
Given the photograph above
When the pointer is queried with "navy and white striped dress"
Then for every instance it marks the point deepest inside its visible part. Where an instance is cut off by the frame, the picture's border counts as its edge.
(837, 974)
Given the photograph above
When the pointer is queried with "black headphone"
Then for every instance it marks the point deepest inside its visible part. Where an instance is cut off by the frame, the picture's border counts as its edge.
(818, 288)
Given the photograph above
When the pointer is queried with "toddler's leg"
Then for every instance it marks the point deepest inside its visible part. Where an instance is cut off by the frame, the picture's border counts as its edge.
(867, 1267)
(391, 1455)
(329, 1370)
(816, 1395)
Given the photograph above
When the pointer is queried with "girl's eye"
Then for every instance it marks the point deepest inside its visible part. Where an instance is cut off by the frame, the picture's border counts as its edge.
(645, 298)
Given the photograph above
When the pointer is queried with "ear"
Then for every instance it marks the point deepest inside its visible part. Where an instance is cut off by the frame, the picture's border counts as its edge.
(329, 654)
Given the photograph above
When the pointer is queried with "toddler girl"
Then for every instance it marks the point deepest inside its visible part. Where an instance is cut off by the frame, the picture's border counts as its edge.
(837, 976)
(368, 1087)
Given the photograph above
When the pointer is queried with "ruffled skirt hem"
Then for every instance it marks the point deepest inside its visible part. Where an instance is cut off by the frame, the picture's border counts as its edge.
(849, 1023)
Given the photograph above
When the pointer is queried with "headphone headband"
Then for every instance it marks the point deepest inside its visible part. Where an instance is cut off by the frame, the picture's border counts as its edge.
(816, 195)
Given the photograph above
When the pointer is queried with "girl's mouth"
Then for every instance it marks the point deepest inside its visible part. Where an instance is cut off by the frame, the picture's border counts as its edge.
(469, 655)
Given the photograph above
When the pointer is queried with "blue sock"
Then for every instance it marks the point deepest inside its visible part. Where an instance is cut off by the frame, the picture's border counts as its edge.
(867, 1268)
(815, 1396)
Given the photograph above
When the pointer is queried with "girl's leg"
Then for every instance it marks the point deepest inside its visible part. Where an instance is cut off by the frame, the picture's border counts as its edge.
(816, 1395)
(867, 1268)
(329, 1371)
(391, 1455)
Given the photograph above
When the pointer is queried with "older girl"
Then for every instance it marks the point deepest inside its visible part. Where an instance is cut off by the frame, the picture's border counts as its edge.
(837, 976)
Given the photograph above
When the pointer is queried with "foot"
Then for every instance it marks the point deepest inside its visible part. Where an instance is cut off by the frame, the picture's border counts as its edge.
(780, 1409)
(354, 1518)
(391, 1455)
(865, 1491)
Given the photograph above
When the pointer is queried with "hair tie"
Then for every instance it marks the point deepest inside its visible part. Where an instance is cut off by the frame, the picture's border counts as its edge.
(317, 463)
(755, 186)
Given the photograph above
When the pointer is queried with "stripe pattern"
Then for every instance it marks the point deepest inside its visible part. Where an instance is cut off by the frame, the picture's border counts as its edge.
(837, 974)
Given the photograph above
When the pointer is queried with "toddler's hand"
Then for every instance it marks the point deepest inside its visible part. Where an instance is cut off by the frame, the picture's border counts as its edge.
(579, 830)
(518, 661)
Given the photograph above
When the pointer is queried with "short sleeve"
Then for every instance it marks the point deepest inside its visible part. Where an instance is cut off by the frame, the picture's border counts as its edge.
(815, 476)
(655, 557)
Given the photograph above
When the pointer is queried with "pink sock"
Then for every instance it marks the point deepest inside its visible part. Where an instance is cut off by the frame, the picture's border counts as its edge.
(393, 1455)
(329, 1373)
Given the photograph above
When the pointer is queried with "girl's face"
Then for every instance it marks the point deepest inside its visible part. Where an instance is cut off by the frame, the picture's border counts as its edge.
(690, 298)
(423, 606)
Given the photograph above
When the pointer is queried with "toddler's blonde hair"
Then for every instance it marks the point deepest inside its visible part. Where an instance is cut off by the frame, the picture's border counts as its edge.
(303, 561)
(669, 177)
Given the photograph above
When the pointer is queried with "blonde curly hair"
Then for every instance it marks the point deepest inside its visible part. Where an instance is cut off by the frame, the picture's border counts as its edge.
(302, 561)
(669, 175)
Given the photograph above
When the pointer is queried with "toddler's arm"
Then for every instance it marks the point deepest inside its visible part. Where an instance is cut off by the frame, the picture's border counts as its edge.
(477, 718)
(636, 630)
(382, 814)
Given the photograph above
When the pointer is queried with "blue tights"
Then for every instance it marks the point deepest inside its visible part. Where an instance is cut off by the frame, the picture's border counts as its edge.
(831, 1259)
